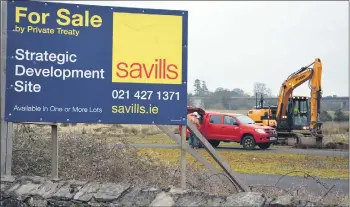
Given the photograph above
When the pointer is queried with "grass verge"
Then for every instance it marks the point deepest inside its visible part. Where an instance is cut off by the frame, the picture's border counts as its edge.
(242, 162)
(264, 163)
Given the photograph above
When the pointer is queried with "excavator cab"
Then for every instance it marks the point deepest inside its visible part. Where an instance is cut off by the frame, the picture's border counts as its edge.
(298, 113)
(297, 116)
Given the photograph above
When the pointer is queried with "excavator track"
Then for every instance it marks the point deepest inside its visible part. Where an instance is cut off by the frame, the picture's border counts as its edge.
(308, 140)
(301, 139)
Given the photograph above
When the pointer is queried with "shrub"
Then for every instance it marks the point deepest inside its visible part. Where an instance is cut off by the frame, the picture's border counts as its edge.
(83, 131)
(325, 116)
(84, 157)
(145, 131)
(64, 124)
(126, 130)
(117, 126)
(134, 131)
(339, 116)
(87, 157)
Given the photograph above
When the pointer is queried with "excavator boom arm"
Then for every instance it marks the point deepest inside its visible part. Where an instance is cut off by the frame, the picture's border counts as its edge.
(292, 82)
(316, 92)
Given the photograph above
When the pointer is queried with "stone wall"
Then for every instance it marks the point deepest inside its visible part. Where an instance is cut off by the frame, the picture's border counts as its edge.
(39, 191)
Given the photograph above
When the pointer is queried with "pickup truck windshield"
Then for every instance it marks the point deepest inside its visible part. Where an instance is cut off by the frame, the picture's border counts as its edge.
(245, 119)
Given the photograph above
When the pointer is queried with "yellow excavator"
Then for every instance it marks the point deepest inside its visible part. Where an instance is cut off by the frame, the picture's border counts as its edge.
(263, 115)
(296, 118)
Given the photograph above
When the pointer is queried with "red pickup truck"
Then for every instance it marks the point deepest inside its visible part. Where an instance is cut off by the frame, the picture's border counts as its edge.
(226, 127)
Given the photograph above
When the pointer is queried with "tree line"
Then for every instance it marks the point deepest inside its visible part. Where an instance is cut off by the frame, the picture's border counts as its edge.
(201, 89)
(220, 97)
(339, 116)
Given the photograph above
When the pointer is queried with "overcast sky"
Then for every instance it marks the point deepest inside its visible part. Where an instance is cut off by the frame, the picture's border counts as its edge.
(234, 44)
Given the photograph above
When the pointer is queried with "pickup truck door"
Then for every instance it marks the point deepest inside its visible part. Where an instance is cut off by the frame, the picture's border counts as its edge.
(214, 126)
(230, 130)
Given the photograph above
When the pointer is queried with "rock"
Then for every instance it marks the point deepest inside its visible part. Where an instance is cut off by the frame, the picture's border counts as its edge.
(10, 190)
(36, 191)
(299, 203)
(66, 190)
(215, 201)
(163, 199)
(86, 192)
(146, 196)
(93, 204)
(313, 204)
(47, 189)
(4, 186)
(26, 189)
(285, 200)
(29, 201)
(138, 196)
(109, 192)
(127, 198)
(177, 191)
(245, 199)
(192, 199)
(33, 179)
(269, 200)
(12, 203)
(58, 203)
(39, 202)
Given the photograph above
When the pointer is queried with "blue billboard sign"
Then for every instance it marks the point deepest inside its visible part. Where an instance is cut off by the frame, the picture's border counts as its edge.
(78, 63)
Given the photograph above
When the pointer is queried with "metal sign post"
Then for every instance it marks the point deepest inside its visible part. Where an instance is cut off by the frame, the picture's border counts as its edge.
(222, 163)
(5, 127)
(2, 91)
(54, 161)
(183, 156)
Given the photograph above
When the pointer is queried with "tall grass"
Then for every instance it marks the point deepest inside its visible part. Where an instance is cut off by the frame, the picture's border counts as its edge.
(335, 128)
(93, 157)
(336, 132)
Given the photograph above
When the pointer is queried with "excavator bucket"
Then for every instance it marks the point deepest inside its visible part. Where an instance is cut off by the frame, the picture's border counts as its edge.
(307, 141)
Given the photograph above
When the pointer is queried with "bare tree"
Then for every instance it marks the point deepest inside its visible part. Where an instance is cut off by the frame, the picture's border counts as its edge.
(261, 88)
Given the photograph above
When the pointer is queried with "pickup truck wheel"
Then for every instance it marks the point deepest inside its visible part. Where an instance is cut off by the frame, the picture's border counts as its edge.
(264, 145)
(214, 143)
(248, 142)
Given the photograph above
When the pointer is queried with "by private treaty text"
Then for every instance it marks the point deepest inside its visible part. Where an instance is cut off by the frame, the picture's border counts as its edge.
(31, 68)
